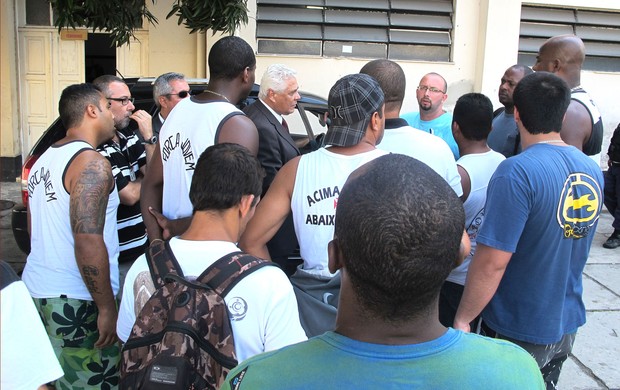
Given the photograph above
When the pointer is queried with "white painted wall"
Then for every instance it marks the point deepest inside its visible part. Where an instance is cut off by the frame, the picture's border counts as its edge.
(486, 41)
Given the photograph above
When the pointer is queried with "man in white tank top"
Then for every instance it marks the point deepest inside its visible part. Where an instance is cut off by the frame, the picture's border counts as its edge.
(72, 270)
(195, 124)
(309, 185)
(472, 122)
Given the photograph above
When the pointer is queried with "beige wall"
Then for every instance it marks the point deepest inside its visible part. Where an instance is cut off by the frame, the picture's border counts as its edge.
(486, 42)
(486, 34)
(171, 47)
(9, 109)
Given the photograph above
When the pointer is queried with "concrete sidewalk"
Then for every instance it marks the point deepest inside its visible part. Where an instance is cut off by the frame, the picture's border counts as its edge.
(595, 362)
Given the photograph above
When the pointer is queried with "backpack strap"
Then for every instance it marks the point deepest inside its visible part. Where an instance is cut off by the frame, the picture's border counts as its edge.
(162, 262)
(8, 275)
(226, 272)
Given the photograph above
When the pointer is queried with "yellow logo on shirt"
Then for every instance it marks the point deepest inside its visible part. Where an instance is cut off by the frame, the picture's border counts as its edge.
(580, 205)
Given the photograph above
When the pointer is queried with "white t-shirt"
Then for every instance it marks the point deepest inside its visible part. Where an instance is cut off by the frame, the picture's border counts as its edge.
(320, 177)
(28, 360)
(262, 306)
(428, 148)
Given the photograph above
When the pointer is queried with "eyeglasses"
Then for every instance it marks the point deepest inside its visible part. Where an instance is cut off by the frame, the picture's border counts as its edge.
(124, 100)
(425, 88)
(181, 94)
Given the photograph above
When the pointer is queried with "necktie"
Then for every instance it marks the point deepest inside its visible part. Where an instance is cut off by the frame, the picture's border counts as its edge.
(285, 125)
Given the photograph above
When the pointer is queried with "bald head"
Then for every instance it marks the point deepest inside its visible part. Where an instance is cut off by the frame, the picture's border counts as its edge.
(564, 56)
(567, 48)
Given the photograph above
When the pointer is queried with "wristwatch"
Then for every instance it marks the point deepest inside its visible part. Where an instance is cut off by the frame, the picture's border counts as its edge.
(151, 141)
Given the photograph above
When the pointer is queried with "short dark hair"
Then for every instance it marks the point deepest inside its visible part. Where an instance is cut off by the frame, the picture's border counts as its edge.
(523, 68)
(392, 80)
(229, 57)
(103, 82)
(474, 114)
(541, 99)
(74, 100)
(224, 174)
(399, 227)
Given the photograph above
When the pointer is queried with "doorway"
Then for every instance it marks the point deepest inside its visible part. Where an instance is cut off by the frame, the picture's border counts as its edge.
(100, 56)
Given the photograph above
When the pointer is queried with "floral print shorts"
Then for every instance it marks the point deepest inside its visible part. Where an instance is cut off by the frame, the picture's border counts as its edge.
(71, 325)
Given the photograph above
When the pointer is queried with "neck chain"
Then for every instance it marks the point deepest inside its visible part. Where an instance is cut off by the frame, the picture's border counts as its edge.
(551, 141)
(217, 94)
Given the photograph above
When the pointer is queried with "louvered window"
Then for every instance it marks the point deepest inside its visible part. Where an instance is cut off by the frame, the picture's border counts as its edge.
(600, 32)
(395, 29)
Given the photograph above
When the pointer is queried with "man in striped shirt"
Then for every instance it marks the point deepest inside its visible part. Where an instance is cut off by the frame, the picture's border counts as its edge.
(128, 157)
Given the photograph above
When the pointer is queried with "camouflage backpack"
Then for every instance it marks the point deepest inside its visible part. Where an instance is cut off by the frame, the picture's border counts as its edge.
(182, 337)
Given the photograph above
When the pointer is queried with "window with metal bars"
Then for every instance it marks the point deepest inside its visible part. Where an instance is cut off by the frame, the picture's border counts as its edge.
(394, 29)
(599, 30)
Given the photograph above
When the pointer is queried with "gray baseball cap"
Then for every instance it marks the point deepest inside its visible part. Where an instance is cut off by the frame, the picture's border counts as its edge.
(351, 102)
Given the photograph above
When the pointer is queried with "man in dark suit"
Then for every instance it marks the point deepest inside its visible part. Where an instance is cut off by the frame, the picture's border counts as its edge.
(277, 97)
(168, 89)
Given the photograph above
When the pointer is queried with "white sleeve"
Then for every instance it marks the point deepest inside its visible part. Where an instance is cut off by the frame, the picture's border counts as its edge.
(282, 326)
(28, 360)
(127, 310)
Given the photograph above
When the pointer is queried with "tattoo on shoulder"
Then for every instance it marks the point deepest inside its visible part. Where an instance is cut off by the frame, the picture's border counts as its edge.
(89, 197)
(89, 274)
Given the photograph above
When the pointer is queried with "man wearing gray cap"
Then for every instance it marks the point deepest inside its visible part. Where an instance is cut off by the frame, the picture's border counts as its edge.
(309, 186)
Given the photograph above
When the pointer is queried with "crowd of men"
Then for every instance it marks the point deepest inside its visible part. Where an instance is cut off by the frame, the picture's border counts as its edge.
(439, 249)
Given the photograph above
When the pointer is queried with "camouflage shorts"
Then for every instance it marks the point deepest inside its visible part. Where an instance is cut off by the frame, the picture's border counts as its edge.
(71, 325)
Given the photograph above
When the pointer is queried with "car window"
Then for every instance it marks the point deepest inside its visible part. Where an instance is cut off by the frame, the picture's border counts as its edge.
(296, 124)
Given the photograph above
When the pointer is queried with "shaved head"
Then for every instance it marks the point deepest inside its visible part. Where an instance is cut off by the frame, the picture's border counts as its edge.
(567, 48)
(564, 56)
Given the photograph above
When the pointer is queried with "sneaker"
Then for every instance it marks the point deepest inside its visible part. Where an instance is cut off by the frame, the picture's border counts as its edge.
(612, 242)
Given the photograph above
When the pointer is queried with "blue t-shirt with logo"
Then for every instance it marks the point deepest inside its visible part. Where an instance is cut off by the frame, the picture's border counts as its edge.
(440, 126)
(543, 206)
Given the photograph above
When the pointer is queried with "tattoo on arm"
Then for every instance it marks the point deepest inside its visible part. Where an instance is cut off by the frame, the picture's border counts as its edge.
(89, 198)
(90, 273)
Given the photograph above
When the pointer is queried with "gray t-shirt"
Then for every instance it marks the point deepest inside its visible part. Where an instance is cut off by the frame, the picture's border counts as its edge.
(504, 135)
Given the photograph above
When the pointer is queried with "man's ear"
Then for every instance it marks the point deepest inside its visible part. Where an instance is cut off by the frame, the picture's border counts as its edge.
(335, 256)
(246, 75)
(162, 101)
(92, 111)
(516, 114)
(456, 129)
(271, 95)
(246, 205)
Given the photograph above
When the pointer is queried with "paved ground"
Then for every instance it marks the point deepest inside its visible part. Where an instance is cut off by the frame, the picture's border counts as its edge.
(595, 363)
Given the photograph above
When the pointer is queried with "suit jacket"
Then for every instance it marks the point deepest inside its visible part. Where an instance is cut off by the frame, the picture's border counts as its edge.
(275, 148)
(157, 124)
(275, 145)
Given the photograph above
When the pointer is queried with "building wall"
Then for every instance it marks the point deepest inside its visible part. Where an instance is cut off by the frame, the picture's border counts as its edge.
(485, 43)
(10, 148)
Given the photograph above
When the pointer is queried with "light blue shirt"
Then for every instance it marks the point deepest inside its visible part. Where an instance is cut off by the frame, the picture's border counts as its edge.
(441, 127)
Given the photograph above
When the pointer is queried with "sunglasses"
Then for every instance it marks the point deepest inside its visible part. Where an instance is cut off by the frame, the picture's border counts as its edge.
(181, 94)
